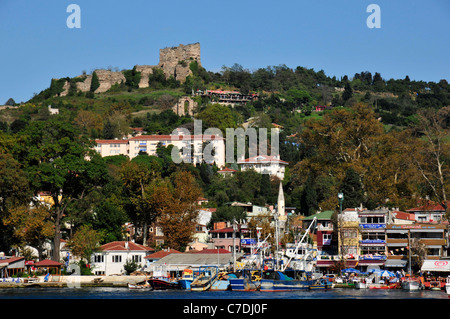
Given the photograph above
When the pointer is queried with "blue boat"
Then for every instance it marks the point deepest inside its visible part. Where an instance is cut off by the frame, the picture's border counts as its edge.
(248, 281)
(186, 279)
(205, 279)
(222, 282)
(279, 281)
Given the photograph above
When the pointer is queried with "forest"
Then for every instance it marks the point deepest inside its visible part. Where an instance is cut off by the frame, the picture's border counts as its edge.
(383, 143)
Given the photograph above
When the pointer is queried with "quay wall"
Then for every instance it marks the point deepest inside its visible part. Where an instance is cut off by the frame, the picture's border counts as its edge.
(75, 281)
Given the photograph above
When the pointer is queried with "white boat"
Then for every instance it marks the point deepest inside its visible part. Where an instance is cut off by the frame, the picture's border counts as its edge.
(360, 284)
(411, 284)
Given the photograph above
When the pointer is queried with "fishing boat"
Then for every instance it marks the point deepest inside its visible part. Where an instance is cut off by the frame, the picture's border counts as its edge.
(205, 279)
(279, 281)
(222, 282)
(163, 284)
(249, 280)
(186, 279)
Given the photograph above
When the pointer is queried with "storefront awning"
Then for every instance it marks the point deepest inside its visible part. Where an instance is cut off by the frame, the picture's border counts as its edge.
(395, 263)
(436, 265)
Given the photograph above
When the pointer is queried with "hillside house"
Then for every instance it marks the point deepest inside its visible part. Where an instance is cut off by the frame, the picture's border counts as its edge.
(264, 164)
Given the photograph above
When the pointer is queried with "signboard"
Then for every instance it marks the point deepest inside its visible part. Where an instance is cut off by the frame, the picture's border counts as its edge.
(248, 242)
(436, 265)
(372, 226)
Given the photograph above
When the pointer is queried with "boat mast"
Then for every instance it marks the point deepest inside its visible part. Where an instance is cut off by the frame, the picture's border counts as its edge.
(409, 251)
(300, 242)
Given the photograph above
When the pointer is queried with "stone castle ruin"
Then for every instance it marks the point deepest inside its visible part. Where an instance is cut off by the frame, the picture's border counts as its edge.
(173, 61)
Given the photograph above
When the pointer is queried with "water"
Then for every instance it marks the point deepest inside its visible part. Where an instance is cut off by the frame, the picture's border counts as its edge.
(125, 293)
(109, 302)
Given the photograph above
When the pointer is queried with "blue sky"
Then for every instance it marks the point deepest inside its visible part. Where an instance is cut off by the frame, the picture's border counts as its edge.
(36, 44)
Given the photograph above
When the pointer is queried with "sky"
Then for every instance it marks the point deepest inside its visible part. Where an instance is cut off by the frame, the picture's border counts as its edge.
(37, 45)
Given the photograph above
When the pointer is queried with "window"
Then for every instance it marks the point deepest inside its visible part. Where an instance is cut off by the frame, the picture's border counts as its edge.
(116, 258)
(350, 233)
(99, 258)
(136, 258)
(326, 239)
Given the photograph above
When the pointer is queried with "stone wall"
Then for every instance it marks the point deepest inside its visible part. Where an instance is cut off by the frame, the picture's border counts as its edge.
(185, 106)
(173, 61)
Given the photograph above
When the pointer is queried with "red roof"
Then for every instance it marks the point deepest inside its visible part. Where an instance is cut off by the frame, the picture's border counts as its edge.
(162, 253)
(47, 262)
(120, 246)
(226, 169)
(429, 206)
(176, 137)
(11, 260)
(403, 215)
(111, 141)
(262, 159)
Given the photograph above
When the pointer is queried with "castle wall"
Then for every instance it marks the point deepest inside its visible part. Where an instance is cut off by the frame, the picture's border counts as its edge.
(173, 61)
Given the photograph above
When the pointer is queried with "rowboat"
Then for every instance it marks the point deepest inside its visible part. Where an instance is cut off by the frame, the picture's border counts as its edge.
(140, 285)
(383, 286)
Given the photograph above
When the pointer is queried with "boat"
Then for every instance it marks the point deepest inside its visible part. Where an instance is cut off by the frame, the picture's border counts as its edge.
(205, 279)
(321, 283)
(250, 280)
(222, 282)
(360, 283)
(163, 283)
(411, 284)
(394, 285)
(279, 281)
(140, 285)
(186, 279)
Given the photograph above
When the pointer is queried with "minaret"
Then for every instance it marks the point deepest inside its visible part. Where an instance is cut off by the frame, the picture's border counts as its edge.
(281, 207)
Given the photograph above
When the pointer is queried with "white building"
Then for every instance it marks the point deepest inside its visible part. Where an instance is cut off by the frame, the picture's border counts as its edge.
(264, 164)
(112, 257)
(193, 148)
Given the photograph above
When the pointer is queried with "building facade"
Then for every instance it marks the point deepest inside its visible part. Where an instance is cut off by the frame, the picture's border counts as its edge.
(263, 164)
(192, 147)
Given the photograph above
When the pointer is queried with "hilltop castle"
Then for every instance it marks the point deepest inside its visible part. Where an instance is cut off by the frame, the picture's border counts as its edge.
(173, 61)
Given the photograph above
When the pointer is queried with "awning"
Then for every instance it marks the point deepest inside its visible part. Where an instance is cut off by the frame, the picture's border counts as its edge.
(436, 265)
(395, 263)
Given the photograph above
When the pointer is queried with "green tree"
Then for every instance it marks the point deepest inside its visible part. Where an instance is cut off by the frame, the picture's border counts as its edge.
(309, 203)
(217, 116)
(55, 156)
(348, 92)
(351, 187)
(84, 242)
(95, 83)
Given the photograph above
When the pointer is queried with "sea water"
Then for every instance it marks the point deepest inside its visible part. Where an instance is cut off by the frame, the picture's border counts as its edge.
(125, 293)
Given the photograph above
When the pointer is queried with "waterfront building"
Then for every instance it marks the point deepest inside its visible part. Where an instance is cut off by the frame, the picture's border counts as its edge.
(428, 211)
(430, 240)
(372, 243)
(222, 236)
(111, 257)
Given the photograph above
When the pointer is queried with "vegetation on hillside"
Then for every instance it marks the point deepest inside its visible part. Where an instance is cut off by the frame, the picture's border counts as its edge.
(382, 142)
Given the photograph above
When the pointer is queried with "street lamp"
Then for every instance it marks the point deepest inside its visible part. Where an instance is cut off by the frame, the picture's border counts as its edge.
(341, 200)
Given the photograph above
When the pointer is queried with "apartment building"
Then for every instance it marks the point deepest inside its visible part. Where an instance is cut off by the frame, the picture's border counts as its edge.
(193, 148)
